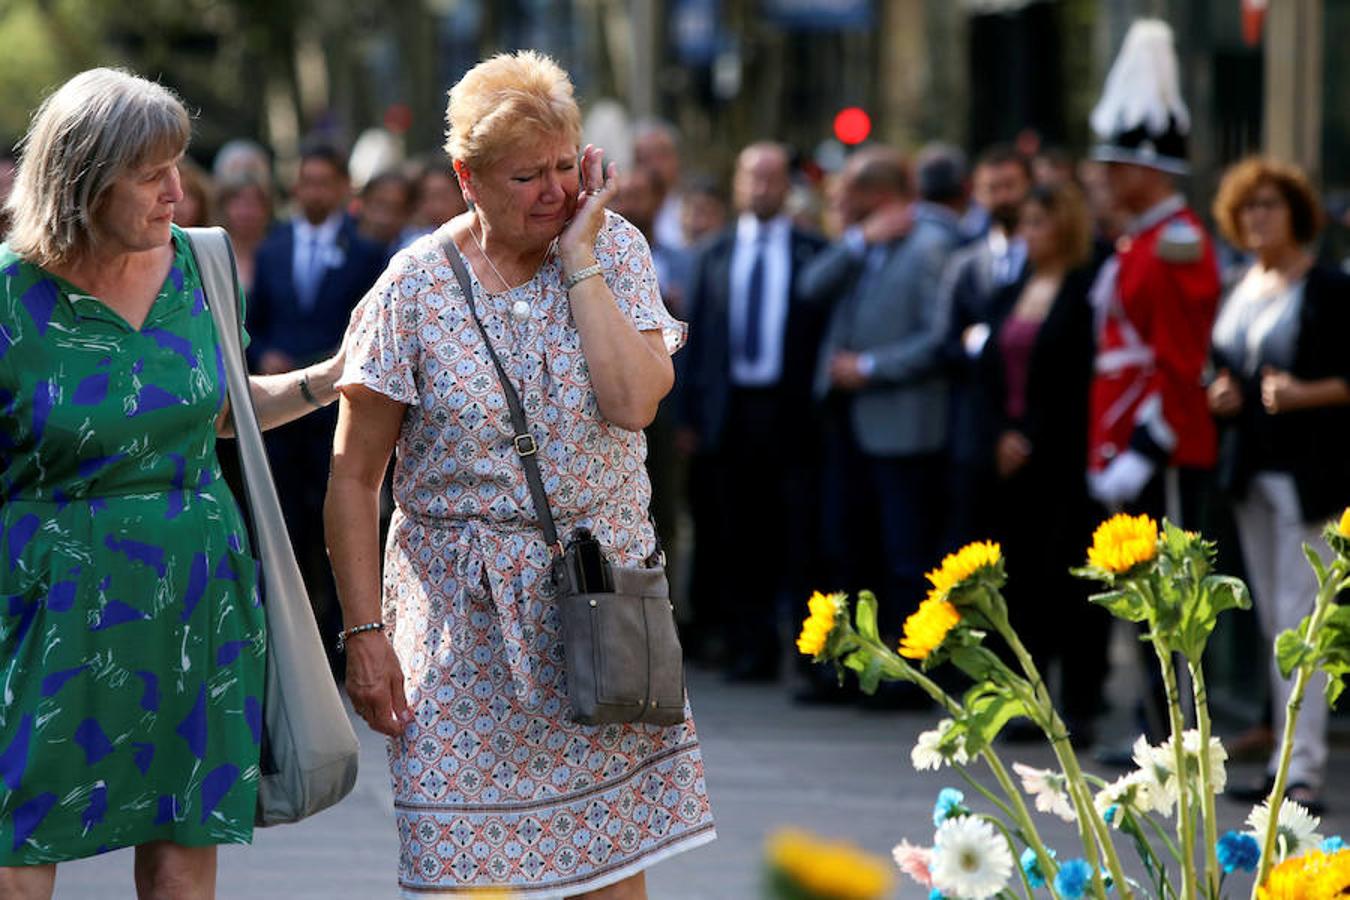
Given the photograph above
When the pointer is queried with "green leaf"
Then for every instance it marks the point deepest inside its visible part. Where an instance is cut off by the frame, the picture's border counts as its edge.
(865, 615)
(986, 714)
(1315, 560)
(975, 661)
(1291, 651)
(1123, 604)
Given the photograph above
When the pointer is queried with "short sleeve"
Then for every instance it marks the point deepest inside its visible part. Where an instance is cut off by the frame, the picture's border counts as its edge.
(382, 341)
(626, 258)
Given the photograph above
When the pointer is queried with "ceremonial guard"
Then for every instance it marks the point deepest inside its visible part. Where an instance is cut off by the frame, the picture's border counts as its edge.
(1150, 432)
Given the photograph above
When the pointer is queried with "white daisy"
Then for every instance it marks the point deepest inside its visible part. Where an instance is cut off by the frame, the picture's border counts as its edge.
(1050, 789)
(926, 754)
(1158, 768)
(1190, 742)
(1295, 831)
(1133, 790)
(970, 859)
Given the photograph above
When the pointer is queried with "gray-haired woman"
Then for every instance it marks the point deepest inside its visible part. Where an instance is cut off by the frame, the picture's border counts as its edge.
(131, 636)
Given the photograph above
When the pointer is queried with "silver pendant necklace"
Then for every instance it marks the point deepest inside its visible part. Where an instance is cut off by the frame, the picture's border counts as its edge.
(520, 308)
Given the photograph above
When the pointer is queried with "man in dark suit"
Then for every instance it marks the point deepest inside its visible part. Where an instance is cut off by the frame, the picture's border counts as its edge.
(881, 379)
(973, 276)
(310, 273)
(743, 405)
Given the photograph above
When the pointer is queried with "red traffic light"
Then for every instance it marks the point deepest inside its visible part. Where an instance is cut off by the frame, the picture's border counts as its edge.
(852, 125)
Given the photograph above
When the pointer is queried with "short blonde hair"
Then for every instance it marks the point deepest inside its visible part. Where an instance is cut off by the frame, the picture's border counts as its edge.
(96, 128)
(506, 99)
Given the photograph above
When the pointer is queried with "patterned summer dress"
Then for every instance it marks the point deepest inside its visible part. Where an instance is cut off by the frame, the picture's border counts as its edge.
(493, 785)
(131, 638)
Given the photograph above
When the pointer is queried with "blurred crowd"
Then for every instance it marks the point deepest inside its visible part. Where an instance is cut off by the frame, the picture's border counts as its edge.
(887, 361)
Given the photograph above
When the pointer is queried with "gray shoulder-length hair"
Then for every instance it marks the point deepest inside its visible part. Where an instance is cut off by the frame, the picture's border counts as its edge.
(97, 127)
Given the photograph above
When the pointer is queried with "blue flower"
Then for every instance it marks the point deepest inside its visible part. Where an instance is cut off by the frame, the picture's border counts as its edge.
(1333, 844)
(1238, 850)
(950, 804)
(1109, 815)
(1073, 878)
(935, 894)
(1031, 865)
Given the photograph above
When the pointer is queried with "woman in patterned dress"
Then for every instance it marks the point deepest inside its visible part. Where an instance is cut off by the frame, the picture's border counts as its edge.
(131, 635)
(493, 784)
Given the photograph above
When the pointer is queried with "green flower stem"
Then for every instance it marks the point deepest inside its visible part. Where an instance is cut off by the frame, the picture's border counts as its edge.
(1012, 848)
(1023, 818)
(1213, 874)
(1326, 596)
(1185, 827)
(1166, 838)
(1089, 823)
(986, 793)
(899, 669)
(1147, 855)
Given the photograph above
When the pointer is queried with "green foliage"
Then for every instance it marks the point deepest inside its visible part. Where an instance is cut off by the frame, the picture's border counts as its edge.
(1291, 650)
(1123, 604)
(987, 708)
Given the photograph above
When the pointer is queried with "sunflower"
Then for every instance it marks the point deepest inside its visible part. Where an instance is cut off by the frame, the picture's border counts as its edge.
(961, 565)
(828, 869)
(816, 630)
(928, 627)
(1344, 526)
(1123, 542)
(1334, 878)
(1313, 876)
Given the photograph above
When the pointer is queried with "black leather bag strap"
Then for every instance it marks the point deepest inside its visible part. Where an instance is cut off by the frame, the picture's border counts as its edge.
(525, 445)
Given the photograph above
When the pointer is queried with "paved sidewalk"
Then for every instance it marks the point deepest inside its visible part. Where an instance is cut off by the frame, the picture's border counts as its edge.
(841, 772)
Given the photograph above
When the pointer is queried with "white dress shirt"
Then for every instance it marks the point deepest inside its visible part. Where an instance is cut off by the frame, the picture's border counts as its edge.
(767, 368)
(316, 251)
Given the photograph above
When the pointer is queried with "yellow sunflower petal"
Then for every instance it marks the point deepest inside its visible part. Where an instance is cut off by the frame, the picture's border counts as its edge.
(928, 627)
(961, 565)
(1123, 542)
(820, 622)
(1344, 526)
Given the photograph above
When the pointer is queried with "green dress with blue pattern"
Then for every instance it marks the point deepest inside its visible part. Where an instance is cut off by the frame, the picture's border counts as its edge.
(131, 631)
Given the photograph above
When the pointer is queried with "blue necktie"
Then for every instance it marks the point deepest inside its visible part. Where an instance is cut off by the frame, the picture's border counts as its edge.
(754, 303)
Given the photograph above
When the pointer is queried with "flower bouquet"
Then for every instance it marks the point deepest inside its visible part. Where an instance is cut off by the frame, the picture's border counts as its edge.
(1164, 580)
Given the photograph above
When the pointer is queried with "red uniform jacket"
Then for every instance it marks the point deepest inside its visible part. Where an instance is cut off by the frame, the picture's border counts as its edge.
(1155, 303)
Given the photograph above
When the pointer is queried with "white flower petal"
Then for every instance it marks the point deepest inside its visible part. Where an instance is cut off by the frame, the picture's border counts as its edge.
(970, 859)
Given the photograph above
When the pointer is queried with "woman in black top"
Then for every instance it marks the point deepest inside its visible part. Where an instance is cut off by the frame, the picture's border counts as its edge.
(1282, 397)
(1035, 370)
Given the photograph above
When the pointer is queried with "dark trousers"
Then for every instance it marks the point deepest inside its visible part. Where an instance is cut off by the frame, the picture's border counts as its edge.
(1044, 524)
(768, 513)
(1179, 495)
(301, 453)
(881, 520)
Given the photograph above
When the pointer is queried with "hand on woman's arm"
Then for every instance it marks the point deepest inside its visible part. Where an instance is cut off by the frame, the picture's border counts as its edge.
(279, 399)
(630, 370)
(367, 430)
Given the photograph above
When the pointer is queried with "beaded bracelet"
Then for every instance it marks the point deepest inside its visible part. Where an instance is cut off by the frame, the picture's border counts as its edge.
(581, 275)
(355, 630)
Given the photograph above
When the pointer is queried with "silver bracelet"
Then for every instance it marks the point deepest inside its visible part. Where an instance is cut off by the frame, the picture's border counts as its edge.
(307, 393)
(351, 632)
(581, 275)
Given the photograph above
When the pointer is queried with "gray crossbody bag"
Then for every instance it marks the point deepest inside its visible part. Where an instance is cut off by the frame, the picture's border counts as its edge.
(309, 750)
(622, 649)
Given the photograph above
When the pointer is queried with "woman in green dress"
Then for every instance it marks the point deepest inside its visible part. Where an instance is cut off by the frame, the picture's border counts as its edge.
(131, 630)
